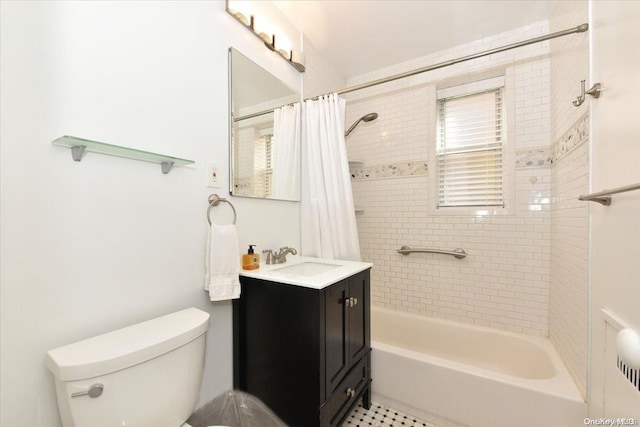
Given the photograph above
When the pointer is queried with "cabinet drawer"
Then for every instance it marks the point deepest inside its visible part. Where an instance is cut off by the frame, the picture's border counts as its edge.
(346, 394)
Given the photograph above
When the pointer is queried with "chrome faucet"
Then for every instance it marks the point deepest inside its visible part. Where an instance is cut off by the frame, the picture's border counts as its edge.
(279, 257)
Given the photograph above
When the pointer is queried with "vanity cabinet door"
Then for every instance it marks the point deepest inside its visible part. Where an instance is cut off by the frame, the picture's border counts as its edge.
(358, 317)
(336, 335)
(347, 327)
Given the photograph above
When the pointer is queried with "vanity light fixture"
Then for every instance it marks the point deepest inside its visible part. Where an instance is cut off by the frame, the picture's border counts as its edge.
(262, 29)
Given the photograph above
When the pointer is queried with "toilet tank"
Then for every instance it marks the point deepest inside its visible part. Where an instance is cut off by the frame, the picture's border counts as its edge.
(145, 375)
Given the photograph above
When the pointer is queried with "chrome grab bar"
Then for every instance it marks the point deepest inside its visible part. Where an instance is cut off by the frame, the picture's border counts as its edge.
(604, 197)
(457, 252)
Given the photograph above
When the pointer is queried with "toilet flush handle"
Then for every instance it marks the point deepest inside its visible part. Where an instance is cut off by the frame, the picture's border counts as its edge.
(94, 391)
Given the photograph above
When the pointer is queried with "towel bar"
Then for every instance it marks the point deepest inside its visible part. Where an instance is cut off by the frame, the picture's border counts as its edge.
(604, 197)
(214, 200)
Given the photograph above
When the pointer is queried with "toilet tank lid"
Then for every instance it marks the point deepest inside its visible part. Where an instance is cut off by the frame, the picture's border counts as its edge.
(113, 351)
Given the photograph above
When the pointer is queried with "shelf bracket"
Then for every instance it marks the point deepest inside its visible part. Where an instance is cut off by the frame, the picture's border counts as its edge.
(604, 201)
(604, 197)
(77, 151)
(166, 167)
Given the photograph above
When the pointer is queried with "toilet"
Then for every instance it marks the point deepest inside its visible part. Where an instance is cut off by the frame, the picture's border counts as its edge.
(145, 375)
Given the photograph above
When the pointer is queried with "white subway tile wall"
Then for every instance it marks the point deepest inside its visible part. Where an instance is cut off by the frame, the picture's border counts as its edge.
(504, 282)
(569, 291)
(569, 286)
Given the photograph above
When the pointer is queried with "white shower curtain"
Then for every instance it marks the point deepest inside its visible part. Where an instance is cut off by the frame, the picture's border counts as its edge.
(329, 228)
(286, 153)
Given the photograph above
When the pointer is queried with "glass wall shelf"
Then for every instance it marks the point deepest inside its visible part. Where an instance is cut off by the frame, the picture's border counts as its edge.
(79, 146)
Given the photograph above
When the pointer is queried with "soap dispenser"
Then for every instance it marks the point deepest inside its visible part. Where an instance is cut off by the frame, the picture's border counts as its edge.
(250, 260)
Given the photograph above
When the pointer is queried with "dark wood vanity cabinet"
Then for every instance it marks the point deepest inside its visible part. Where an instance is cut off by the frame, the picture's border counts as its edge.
(304, 352)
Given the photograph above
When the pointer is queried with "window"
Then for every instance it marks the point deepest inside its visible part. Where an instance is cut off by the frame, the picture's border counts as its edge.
(469, 146)
(263, 170)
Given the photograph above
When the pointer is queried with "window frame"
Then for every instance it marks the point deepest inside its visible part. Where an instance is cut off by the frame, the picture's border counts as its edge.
(505, 81)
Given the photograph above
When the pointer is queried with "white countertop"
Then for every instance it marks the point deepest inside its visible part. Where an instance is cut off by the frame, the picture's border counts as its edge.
(341, 270)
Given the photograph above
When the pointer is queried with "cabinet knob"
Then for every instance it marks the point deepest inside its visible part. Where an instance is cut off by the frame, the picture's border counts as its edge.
(350, 392)
(351, 301)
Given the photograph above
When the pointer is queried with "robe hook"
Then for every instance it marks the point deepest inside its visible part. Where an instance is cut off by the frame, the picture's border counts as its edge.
(594, 91)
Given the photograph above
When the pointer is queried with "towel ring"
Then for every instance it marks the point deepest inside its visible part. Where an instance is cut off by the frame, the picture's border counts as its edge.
(214, 200)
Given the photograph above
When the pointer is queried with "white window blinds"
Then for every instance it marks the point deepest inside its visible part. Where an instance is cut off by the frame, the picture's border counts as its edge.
(469, 149)
(263, 171)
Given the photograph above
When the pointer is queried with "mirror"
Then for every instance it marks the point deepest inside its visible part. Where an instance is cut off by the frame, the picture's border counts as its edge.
(265, 153)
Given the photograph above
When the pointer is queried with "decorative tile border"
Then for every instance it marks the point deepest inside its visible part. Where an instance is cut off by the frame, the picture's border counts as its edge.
(576, 135)
(547, 156)
(534, 158)
(390, 170)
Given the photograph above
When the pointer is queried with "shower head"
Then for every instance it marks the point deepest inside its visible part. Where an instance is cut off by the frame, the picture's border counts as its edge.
(369, 117)
(366, 118)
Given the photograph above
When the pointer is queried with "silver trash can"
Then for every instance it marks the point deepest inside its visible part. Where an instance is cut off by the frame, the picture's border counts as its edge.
(235, 409)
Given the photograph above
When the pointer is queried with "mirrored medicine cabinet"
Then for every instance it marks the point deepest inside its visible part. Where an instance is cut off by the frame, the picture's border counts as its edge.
(254, 94)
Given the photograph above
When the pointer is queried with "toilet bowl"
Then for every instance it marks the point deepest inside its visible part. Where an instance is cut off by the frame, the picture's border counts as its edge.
(144, 375)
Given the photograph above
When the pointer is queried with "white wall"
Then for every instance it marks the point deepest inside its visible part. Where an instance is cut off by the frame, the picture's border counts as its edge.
(319, 78)
(615, 229)
(97, 245)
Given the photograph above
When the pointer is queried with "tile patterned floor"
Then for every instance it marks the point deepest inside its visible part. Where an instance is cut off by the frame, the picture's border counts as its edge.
(380, 416)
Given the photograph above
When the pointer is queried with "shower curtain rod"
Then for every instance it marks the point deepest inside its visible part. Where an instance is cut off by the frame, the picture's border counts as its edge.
(579, 29)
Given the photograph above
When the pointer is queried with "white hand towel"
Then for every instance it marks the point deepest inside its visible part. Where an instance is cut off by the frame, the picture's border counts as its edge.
(222, 264)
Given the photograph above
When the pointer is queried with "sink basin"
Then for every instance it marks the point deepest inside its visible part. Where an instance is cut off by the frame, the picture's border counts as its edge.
(306, 268)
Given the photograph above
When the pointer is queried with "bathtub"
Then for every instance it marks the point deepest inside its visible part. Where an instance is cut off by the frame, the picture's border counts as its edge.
(454, 374)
